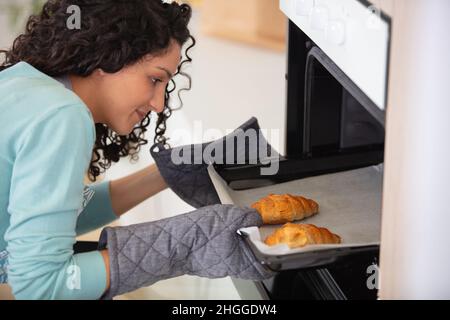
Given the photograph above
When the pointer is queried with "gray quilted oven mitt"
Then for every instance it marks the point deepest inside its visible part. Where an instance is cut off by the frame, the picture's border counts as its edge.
(188, 175)
(203, 242)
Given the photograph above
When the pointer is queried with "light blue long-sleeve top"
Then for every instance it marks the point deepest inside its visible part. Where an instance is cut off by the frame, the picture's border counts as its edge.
(47, 136)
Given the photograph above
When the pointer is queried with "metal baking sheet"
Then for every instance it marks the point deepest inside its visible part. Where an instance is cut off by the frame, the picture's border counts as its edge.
(349, 205)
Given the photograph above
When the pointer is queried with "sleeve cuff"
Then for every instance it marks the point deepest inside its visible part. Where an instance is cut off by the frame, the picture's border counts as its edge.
(82, 277)
(92, 276)
(99, 211)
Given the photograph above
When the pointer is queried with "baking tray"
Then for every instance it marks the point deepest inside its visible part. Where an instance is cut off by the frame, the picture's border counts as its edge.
(349, 205)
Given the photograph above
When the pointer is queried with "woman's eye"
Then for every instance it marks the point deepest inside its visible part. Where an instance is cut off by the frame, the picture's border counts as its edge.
(155, 80)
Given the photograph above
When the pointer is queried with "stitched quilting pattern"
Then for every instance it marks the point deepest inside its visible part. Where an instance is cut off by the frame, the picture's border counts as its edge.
(191, 181)
(203, 243)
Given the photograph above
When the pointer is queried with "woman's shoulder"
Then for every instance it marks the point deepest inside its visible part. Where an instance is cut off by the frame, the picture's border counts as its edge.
(28, 93)
(30, 101)
(24, 81)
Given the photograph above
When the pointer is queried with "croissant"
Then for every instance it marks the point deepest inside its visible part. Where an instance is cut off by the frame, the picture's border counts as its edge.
(278, 209)
(300, 235)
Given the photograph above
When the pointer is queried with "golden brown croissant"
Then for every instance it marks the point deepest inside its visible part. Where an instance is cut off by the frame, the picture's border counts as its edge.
(300, 235)
(278, 209)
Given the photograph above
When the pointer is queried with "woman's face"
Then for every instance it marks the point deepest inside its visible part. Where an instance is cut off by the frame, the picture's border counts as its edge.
(124, 98)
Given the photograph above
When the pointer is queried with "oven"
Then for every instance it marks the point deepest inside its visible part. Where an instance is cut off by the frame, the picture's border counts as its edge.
(367, 106)
(337, 81)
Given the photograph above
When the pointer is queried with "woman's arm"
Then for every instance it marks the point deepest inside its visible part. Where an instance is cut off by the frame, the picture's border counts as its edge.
(107, 268)
(46, 185)
(128, 192)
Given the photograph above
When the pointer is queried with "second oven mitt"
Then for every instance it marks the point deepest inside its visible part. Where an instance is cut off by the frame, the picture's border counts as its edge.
(203, 242)
(190, 179)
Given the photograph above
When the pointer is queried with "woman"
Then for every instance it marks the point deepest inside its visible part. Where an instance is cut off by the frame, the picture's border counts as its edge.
(72, 101)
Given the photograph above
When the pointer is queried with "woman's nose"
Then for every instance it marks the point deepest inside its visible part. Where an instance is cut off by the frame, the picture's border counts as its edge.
(157, 102)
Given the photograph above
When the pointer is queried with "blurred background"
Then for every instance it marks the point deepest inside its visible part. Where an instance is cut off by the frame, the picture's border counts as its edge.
(238, 72)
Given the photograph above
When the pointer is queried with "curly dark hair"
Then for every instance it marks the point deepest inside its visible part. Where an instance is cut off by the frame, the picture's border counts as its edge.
(113, 34)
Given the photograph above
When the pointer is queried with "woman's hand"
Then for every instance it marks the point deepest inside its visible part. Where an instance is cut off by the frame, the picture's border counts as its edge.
(203, 242)
(190, 179)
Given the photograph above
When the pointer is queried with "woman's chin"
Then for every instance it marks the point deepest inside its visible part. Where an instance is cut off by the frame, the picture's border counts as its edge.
(124, 127)
(122, 131)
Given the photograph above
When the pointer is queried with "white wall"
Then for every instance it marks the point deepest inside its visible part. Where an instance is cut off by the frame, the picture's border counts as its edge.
(415, 255)
(7, 31)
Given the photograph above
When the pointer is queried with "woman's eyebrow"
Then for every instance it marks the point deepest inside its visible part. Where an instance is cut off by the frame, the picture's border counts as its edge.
(169, 74)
